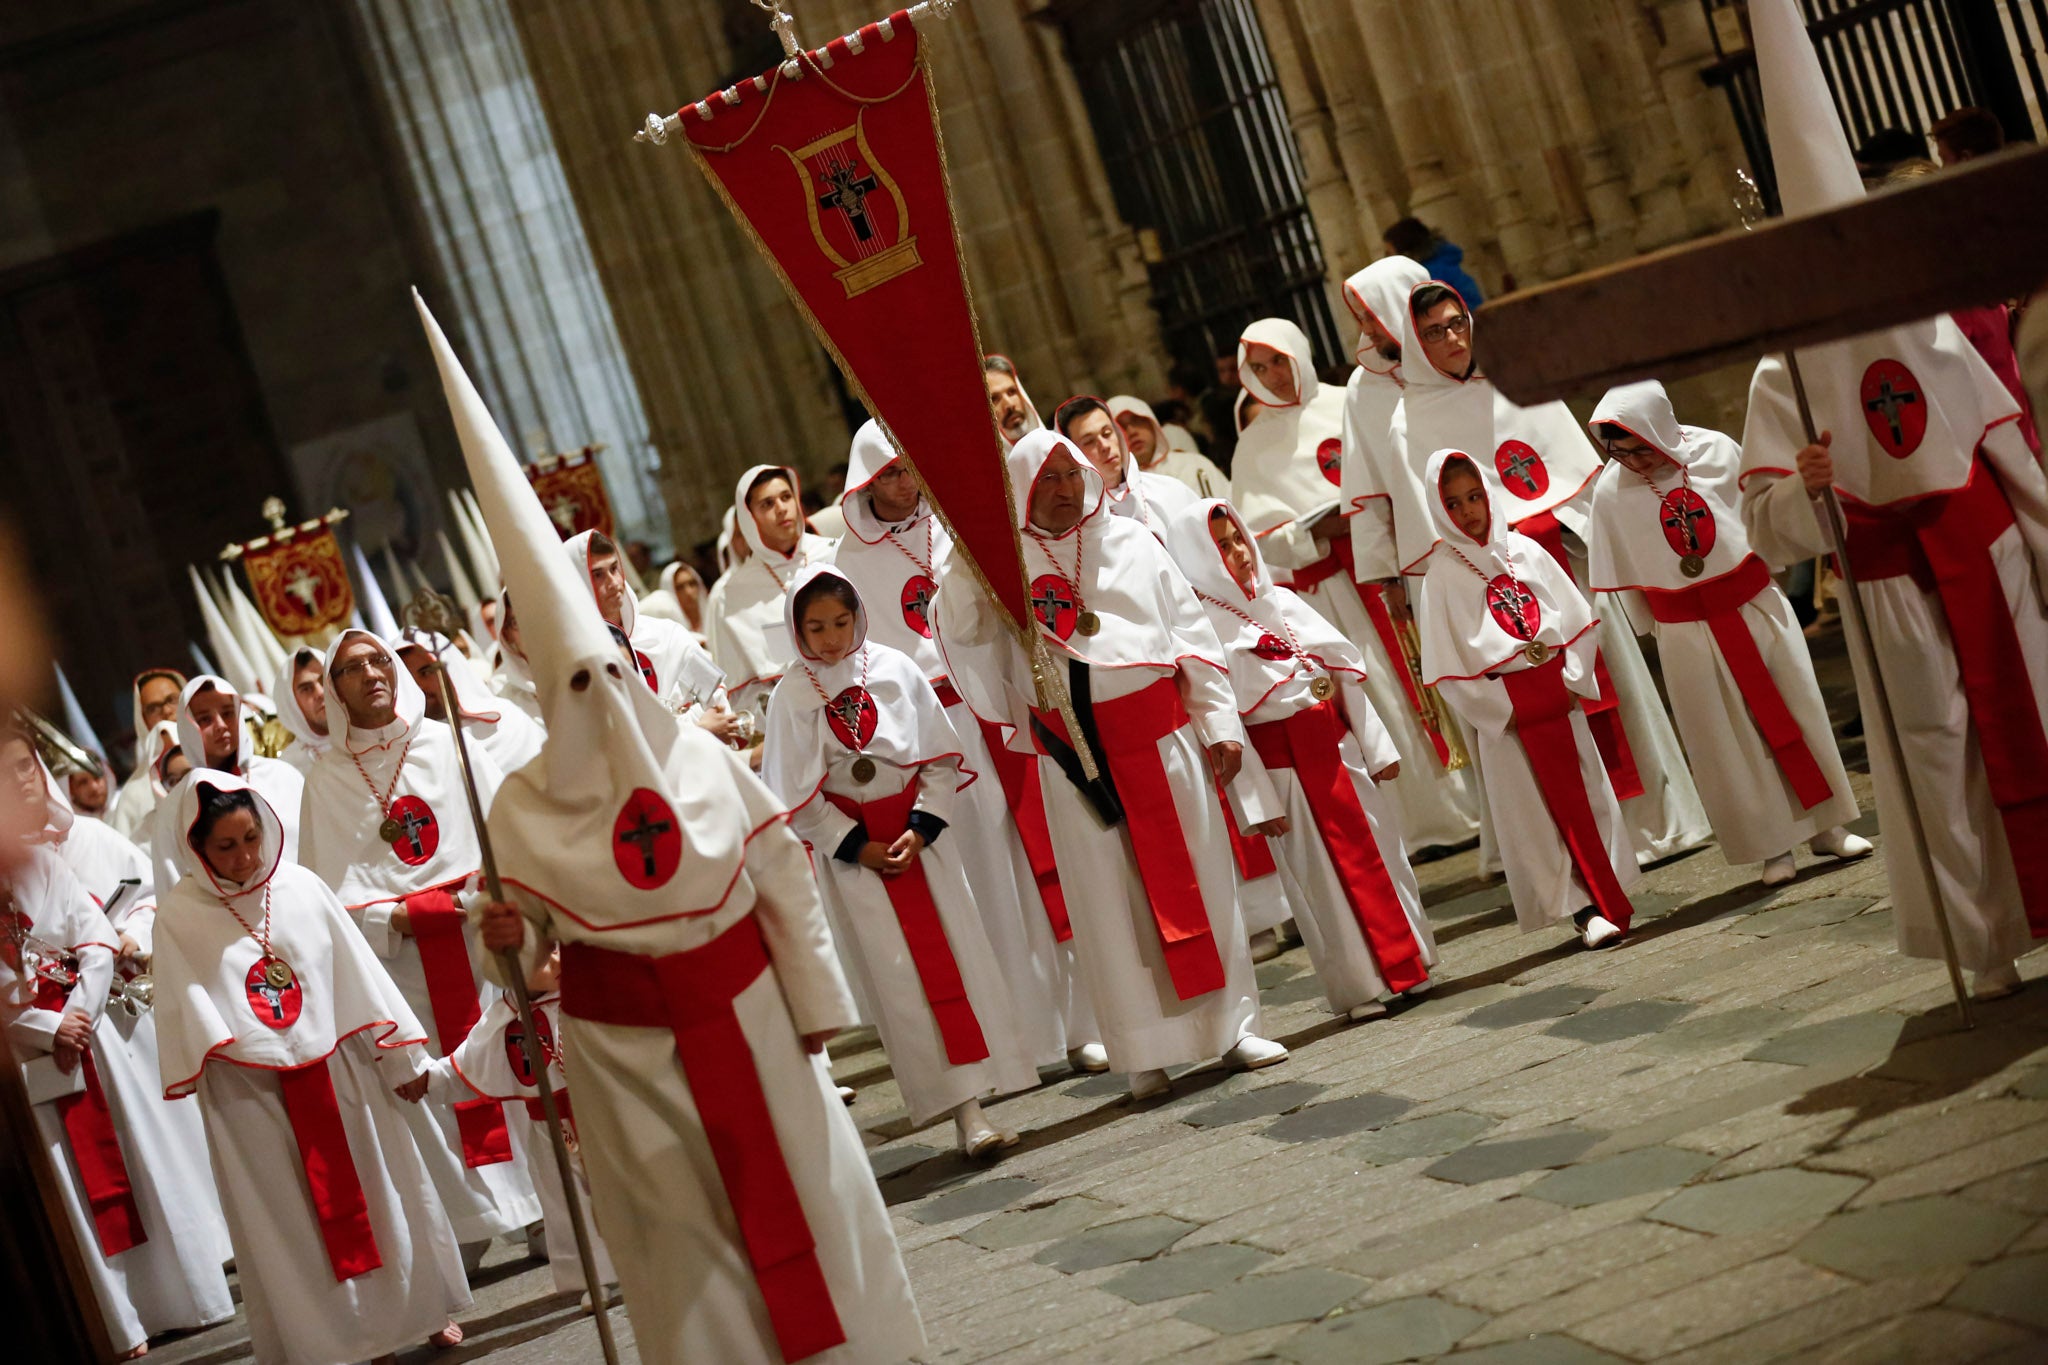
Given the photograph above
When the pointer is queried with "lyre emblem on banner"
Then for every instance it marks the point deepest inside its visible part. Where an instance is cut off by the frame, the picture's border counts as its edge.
(858, 216)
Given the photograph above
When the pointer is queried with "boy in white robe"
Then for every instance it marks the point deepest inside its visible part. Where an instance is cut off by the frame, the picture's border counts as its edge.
(698, 991)
(861, 752)
(513, 679)
(302, 707)
(1286, 482)
(675, 665)
(743, 614)
(1159, 937)
(491, 725)
(1947, 513)
(1299, 685)
(1545, 467)
(893, 551)
(386, 825)
(154, 700)
(151, 1248)
(1507, 641)
(1156, 452)
(274, 1012)
(1665, 535)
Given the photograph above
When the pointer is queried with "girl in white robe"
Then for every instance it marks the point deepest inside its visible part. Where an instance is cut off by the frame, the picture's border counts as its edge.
(1286, 481)
(1507, 641)
(1000, 833)
(274, 1012)
(1170, 972)
(151, 1248)
(743, 614)
(698, 990)
(1665, 536)
(862, 753)
(281, 784)
(1299, 685)
(492, 1062)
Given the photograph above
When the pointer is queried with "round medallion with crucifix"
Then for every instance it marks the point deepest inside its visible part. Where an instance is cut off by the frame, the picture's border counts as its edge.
(1521, 469)
(1536, 652)
(413, 830)
(863, 770)
(1895, 406)
(274, 993)
(1330, 459)
(918, 594)
(647, 840)
(1323, 687)
(1054, 603)
(851, 715)
(1513, 606)
(1688, 525)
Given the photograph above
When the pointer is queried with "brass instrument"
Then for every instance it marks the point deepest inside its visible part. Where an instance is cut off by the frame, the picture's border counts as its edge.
(1436, 717)
(58, 752)
(268, 737)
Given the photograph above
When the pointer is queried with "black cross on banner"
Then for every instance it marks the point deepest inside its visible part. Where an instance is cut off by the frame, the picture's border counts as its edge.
(643, 836)
(1681, 520)
(413, 822)
(849, 194)
(1890, 401)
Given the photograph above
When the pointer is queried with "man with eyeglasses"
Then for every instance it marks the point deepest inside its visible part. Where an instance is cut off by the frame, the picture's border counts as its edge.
(155, 699)
(1547, 465)
(386, 824)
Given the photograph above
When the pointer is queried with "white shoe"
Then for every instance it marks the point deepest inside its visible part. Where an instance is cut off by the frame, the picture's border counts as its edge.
(1265, 945)
(977, 1135)
(1089, 1057)
(1253, 1052)
(1420, 989)
(1839, 843)
(1599, 932)
(1147, 1084)
(846, 1094)
(1371, 1009)
(1779, 870)
(473, 1255)
(536, 1242)
(1997, 983)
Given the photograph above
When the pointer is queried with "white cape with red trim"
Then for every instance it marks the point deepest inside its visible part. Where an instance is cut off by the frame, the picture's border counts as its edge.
(1633, 540)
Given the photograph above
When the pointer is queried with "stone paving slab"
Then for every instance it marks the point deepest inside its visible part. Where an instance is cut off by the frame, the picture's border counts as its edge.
(1751, 1203)
(1273, 1299)
(2016, 1289)
(1023, 1227)
(1131, 1240)
(1430, 1136)
(1409, 1329)
(1619, 1177)
(1634, 1019)
(1338, 1118)
(1194, 1271)
(1917, 1234)
(1512, 1156)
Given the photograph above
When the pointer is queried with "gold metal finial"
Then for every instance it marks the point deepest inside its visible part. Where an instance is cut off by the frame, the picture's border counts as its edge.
(430, 610)
(1749, 201)
(273, 512)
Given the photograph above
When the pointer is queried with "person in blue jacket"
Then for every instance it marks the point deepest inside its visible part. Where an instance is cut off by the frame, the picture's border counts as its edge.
(1415, 239)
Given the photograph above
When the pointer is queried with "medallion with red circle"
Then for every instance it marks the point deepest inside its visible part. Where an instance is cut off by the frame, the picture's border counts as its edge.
(647, 840)
(1514, 607)
(1330, 459)
(918, 595)
(515, 1047)
(419, 830)
(1055, 603)
(1272, 647)
(275, 1005)
(646, 667)
(1688, 522)
(1521, 469)
(851, 715)
(1895, 406)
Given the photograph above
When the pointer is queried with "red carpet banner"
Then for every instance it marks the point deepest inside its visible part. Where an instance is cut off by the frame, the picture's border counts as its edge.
(572, 490)
(299, 579)
(840, 178)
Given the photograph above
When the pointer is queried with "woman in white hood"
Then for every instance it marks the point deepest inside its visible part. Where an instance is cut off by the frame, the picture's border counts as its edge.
(861, 751)
(274, 1012)
(743, 617)
(1507, 640)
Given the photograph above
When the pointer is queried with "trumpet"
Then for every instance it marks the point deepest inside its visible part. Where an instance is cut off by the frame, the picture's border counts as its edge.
(1429, 707)
(59, 753)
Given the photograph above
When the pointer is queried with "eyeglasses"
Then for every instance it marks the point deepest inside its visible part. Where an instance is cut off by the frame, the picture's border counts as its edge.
(380, 662)
(1460, 325)
(1617, 451)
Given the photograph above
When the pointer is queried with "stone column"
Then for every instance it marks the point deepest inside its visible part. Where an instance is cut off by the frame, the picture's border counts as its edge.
(1552, 51)
(540, 336)
(1324, 186)
(1402, 65)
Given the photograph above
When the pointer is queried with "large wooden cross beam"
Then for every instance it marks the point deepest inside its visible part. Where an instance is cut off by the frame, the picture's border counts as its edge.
(1966, 236)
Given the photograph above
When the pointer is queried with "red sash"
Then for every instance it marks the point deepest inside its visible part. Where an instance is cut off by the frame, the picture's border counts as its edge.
(1018, 776)
(331, 1180)
(910, 896)
(1339, 557)
(1719, 604)
(691, 995)
(1942, 543)
(452, 995)
(89, 1127)
(1603, 714)
(1130, 729)
(1543, 712)
(1309, 742)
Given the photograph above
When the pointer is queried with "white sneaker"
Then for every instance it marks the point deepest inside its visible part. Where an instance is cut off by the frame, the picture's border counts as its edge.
(536, 1241)
(977, 1135)
(1997, 983)
(846, 1094)
(1599, 932)
(1420, 989)
(1253, 1052)
(1089, 1057)
(1147, 1084)
(1779, 870)
(1839, 843)
(1371, 1009)
(1265, 945)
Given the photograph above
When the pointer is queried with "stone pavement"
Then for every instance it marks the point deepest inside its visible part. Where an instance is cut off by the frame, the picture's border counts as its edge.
(1753, 1132)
